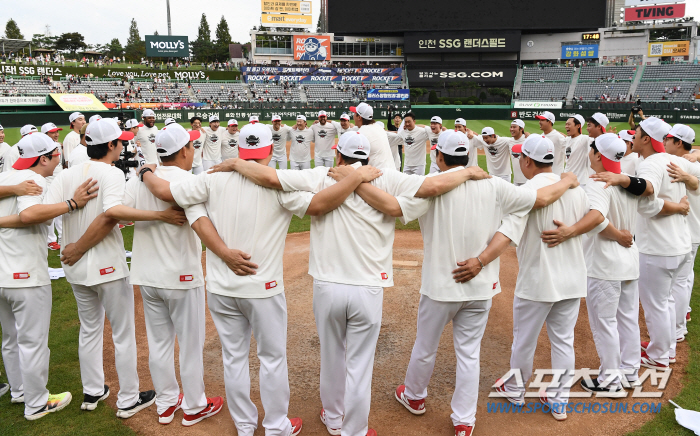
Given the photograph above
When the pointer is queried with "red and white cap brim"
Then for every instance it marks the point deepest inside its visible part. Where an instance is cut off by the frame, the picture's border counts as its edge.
(254, 153)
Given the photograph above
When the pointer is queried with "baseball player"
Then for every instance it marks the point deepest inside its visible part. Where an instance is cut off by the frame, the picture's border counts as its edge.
(300, 150)
(211, 149)
(380, 151)
(551, 281)
(229, 141)
(280, 135)
(517, 132)
(196, 123)
(664, 242)
(324, 138)
(395, 142)
(50, 130)
(25, 287)
(253, 298)
(596, 124)
(497, 151)
(11, 156)
(344, 125)
(577, 149)
(414, 139)
(547, 126)
(147, 136)
(172, 288)
(168, 121)
(461, 126)
(630, 161)
(433, 133)
(72, 139)
(462, 295)
(79, 153)
(4, 148)
(253, 119)
(96, 117)
(95, 266)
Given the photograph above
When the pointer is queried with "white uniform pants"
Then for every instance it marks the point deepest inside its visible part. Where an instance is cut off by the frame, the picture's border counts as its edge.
(348, 319)
(282, 161)
(397, 160)
(613, 314)
(267, 318)
(299, 165)
(197, 170)
(434, 168)
(528, 318)
(414, 169)
(468, 324)
(324, 162)
(505, 177)
(206, 164)
(116, 300)
(25, 315)
(170, 313)
(656, 277)
(682, 289)
(691, 277)
(57, 223)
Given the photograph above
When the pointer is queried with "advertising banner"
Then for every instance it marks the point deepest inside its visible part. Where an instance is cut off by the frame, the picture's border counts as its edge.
(312, 47)
(285, 6)
(461, 42)
(321, 71)
(118, 72)
(322, 79)
(662, 12)
(669, 48)
(588, 51)
(286, 20)
(388, 94)
(23, 101)
(537, 104)
(481, 75)
(158, 46)
(78, 102)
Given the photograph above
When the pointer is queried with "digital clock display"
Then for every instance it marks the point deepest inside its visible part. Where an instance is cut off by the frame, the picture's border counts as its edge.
(590, 37)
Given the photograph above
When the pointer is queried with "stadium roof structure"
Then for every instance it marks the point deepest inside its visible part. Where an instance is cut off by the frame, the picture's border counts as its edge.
(14, 45)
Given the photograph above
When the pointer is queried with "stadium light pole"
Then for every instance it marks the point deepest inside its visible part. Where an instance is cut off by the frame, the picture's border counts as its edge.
(167, 6)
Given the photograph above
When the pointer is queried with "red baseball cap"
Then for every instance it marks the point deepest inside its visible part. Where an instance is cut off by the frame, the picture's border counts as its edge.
(255, 142)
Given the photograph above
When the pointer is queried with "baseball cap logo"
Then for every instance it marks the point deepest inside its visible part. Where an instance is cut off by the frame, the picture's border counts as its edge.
(619, 155)
(252, 140)
(21, 152)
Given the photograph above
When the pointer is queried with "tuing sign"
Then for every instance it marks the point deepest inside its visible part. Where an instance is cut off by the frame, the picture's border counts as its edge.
(661, 12)
(461, 42)
(158, 46)
(492, 75)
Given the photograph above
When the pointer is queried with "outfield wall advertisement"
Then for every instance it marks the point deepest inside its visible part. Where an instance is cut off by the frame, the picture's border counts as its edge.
(491, 76)
(320, 71)
(588, 51)
(23, 101)
(388, 94)
(158, 46)
(117, 72)
(461, 42)
(321, 79)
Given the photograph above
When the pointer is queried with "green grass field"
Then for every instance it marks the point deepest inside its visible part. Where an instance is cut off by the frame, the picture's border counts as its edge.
(64, 371)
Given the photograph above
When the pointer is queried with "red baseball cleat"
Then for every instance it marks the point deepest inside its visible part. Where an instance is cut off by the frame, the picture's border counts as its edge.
(417, 407)
(213, 407)
(167, 416)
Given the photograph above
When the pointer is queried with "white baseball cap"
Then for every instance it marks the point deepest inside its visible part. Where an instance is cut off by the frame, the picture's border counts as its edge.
(301, 117)
(50, 127)
(31, 147)
(1, 127)
(682, 132)
(253, 119)
(657, 129)
(232, 122)
(436, 119)
(171, 138)
(537, 147)
(518, 122)
(255, 141)
(28, 129)
(580, 119)
(452, 143)
(104, 131)
(213, 118)
(345, 117)
(613, 149)
(546, 115)
(169, 121)
(487, 131)
(130, 124)
(276, 118)
(74, 116)
(363, 110)
(627, 135)
(460, 122)
(322, 114)
(148, 113)
(601, 119)
(94, 118)
(353, 145)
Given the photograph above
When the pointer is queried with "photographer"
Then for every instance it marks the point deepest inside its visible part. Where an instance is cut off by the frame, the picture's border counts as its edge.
(636, 109)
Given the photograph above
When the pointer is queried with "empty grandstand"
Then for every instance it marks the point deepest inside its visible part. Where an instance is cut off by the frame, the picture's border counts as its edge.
(548, 74)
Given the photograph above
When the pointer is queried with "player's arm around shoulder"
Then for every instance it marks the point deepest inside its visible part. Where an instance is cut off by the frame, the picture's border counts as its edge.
(259, 174)
(447, 181)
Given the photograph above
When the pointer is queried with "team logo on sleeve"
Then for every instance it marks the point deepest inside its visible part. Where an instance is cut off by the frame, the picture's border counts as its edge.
(152, 138)
(568, 152)
(493, 151)
(300, 139)
(252, 140)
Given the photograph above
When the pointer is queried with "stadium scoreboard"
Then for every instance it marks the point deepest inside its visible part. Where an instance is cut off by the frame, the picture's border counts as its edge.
(590, 36)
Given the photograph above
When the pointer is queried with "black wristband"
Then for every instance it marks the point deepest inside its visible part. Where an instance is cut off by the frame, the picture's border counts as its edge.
(637, 186)
(75, 203)
(144, 171)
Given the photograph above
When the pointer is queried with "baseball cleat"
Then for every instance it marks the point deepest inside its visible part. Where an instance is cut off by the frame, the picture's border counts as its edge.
(558, 409)
(648, 362)
(333, 431)
(17, 400)
(513, 397)
(296, 426)
(687, 317)
(463, 430)
(146, 398)
(645, 345)
(54, 404)
(371, 432)
(54, 246)
(4, 387)
(671, 360)
(611, 391)
(167, 416)
(417, 407)
(681, 339)
(90, 401)
(634, 383)
(214, 406)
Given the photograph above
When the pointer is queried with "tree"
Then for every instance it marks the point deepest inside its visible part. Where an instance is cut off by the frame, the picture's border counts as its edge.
(223, 39)
(114, 48)
(417, 93)
(433, 98)
(202, 47)
(71, 42)
(12, 30)
(135, 46)
(39, 40)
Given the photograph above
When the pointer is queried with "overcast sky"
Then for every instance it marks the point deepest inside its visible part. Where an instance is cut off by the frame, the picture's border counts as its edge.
(99, 24)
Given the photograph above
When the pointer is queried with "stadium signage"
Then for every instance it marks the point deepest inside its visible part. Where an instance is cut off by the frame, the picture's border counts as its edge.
(590, 36)
(285, 6)
(23, 101)
(126, 73)
(537, 105)
(650, 2)
(286, 20)
(499, 75)
(670, 48)
(663, 12)
(388, 94)
(167, 46)
(461, 42)
(312, 47)
(589, 51)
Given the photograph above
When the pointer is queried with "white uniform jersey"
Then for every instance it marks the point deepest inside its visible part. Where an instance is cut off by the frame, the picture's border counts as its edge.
(147, 138)
(497, 154)
(211, 150)
(164, 255)
(518, 177)
(324, 139)
(300, 150)
(433, 138)
(59, 167)
(379, 148)
(549, 274)
(340, 129)
(559, 151)
(449, 237)
(229, 144)
(414, 146)
(279, 141)
(259, 228)
(365, 259)
(4, 148)
(105, 262)
(71, 141)
(664, 235)
(23, 250)
(197, 144)
(394, 141)
(605, 258)
(630, 163)
(577, 161)
(9, 158)
(694, 216)
(78, 156)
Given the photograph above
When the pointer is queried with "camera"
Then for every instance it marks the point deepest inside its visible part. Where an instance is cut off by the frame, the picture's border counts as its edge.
(636, 109)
